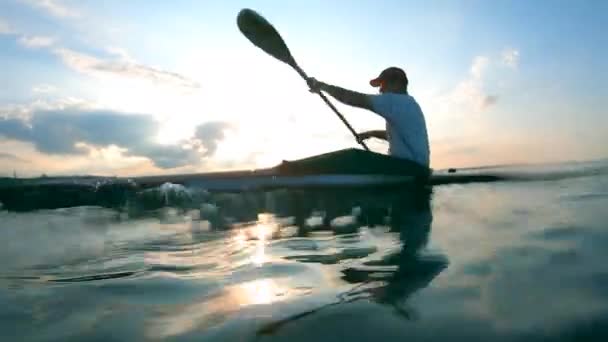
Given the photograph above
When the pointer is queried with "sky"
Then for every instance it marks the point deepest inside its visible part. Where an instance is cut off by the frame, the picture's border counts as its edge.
(150, 87)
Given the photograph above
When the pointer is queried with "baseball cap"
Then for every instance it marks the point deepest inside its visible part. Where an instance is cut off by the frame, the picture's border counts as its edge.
(389, 74)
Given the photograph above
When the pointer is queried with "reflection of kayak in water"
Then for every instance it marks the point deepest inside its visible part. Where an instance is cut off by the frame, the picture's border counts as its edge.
(343, 168)
(388, 279)
(390, 285)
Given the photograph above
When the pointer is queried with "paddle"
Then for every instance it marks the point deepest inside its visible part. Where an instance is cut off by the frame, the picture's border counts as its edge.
(263, 35)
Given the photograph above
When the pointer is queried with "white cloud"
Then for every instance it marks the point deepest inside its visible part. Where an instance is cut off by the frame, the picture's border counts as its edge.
(479, 66)
(5, 28)
(55, 8)
(463, 110)
(24, 111)
(36, 41)
(510, 58)
(471, 91)
(120, 52)
(78, 61)
(122, 67)
(44, 89)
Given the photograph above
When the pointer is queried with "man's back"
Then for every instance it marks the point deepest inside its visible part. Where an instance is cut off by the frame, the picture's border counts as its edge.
(405, 126)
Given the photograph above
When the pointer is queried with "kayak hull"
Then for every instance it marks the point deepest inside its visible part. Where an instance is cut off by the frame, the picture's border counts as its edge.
(344, 168)
(307, 181)
(350, 168)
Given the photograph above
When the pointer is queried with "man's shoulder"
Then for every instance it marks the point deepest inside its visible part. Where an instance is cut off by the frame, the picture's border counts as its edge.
(389, 104)
(401, 100)
(401, 97)
(392, 97)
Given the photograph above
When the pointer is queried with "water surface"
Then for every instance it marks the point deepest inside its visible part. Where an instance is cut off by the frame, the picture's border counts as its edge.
(504, 261)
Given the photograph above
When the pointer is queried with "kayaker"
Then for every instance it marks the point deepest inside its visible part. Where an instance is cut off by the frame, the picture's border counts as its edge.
(405, 124)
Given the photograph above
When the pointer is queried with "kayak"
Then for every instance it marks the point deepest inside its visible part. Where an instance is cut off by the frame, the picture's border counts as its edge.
(349, 167)
(342, 168)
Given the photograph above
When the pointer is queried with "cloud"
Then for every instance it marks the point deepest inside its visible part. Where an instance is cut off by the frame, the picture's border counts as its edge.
(78, 132)
(488, 101)
(471, 92)
(210, 134)
(44, 89)
(479, 66)
(11, 157)
(120, 64)
(510, 58)
(24, 111)
(36, 41)
(120, 52)
(54, 7)
(25, 40)
(123, 67)
(5, 28)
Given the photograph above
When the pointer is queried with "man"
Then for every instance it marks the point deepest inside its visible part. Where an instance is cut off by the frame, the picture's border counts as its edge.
(405, 124)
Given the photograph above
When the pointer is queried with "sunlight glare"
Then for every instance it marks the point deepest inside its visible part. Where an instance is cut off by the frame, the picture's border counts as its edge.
(240, 238)
(259, 258)
(263, 291)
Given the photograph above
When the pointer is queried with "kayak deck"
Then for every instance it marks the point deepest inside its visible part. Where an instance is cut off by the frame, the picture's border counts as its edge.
(353, 162)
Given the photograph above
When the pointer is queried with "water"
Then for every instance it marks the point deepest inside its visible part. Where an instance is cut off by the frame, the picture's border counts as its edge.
(504, 261)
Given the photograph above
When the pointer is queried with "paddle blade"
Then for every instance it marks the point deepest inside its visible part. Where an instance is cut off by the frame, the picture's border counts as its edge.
(263, 35)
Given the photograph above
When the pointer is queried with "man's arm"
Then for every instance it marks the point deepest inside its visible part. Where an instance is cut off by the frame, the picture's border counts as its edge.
(349, 97)
(373, 134)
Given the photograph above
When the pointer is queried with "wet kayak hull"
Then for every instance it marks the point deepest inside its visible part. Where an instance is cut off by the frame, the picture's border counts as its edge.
(344, 168)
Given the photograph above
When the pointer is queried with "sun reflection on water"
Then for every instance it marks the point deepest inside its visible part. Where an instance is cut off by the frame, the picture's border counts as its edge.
(259, 257)
(262, 231)
(263, 291)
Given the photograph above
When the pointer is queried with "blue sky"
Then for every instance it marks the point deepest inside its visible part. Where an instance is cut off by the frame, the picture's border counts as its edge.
(138, 87)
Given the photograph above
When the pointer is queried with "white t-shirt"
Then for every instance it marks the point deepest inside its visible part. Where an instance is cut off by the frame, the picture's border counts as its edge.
(405, 126)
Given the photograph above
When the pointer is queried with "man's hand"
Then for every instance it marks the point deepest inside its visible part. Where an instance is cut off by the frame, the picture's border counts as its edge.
(361, 138)
(349, 97)
(364, 136)
(372, 134)
(314, 85)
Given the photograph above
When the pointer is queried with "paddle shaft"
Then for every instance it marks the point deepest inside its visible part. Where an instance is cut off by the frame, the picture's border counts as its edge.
(331, 105)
